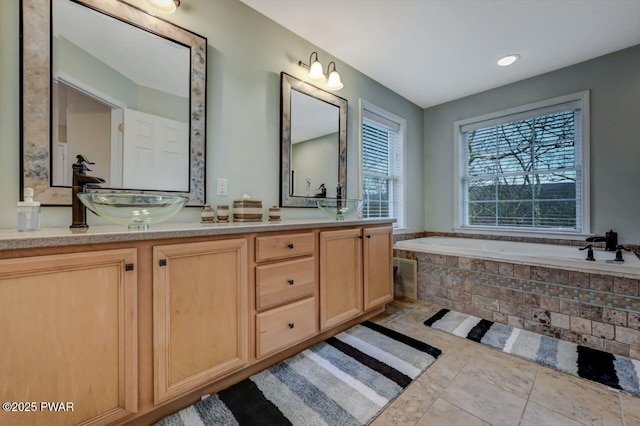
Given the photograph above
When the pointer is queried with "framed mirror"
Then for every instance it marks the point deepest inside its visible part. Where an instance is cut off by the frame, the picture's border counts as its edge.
(313, 143)
(121, 87)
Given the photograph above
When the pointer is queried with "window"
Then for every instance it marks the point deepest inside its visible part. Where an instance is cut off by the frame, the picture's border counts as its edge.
(526, 169)
(382, 149)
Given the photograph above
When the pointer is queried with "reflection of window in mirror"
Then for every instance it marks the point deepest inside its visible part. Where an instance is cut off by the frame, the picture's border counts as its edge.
(314, 146)
(382, 163)
(120, 97)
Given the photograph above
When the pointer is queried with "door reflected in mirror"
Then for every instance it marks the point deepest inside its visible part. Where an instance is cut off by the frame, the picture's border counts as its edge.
(120, 97)
(314, 146)
(125, 89)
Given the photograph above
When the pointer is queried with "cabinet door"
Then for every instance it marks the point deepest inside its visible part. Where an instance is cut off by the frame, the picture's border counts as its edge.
(200, 314)
(378, 266)
(340, 276)
(68, 327)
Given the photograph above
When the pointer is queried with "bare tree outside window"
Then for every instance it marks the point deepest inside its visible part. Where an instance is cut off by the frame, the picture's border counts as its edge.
(524, 173)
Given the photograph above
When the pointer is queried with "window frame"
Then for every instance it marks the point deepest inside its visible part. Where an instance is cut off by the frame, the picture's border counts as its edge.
(401, 221)
(514, 114)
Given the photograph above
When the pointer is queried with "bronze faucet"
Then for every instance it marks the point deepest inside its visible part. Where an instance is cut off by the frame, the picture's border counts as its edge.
(80, 183)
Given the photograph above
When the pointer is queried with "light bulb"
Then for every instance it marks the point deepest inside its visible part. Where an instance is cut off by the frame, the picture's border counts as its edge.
(163, 6)
(334, 82)
(315, 71)
(508, 60)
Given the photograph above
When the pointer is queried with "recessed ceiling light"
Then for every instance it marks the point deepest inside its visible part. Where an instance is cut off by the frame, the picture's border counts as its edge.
(508, 60)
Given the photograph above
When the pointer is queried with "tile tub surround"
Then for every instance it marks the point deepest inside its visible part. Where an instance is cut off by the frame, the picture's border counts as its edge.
(594, 310)
(408, 236)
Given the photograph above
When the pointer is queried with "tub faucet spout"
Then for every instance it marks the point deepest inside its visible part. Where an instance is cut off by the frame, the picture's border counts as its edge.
(610, 239)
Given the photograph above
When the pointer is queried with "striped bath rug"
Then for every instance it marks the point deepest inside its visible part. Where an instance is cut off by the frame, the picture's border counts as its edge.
(345, 380)
(615, 371)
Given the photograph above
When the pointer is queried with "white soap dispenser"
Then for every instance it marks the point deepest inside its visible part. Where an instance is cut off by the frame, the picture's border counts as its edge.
(28, 212)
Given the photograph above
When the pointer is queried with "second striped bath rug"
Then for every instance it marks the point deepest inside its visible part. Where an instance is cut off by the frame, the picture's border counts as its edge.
(615, 371)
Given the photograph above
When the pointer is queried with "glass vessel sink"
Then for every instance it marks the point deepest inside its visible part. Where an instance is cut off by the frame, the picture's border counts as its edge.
(137, 211)
(340, 208)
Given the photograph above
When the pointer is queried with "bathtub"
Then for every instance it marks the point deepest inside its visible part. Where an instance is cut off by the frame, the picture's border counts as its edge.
(548, 255)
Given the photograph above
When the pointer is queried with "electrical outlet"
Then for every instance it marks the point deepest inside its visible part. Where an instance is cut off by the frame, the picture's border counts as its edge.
(222, 187)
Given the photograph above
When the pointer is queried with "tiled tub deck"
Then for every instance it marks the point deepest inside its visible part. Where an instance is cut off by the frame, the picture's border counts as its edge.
(592, 309)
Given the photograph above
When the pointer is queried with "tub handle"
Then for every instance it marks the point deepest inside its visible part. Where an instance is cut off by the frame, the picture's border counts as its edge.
(619, 249)
(589, 249)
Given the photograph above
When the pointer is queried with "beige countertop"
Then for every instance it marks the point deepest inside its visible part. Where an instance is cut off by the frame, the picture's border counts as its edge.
(54, 237)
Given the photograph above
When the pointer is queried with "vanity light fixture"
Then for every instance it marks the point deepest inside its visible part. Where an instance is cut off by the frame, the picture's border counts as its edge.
(164, 6)
(316, 72)
(508, 60)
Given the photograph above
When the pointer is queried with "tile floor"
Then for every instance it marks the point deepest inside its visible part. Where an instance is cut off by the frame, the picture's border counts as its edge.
(471, 384)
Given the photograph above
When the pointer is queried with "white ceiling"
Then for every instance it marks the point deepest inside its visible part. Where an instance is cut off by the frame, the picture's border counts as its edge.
(434, 51)
(311, 118)
(145, 58)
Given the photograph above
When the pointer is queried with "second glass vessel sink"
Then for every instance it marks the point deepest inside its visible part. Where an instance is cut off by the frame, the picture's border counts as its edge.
(137, 211)
(339, 208)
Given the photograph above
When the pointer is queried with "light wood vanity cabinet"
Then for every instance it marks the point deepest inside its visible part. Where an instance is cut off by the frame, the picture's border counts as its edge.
(285, 277)
(355, 272)
(200, 314)
(131, 331)
(68, 327)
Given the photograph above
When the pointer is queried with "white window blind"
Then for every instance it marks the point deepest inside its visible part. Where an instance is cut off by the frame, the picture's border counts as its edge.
(524, 171)
(382, 167)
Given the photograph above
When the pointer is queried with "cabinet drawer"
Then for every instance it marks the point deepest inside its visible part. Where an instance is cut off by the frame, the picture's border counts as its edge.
(284, 281)
(284, 246)
(285, 326)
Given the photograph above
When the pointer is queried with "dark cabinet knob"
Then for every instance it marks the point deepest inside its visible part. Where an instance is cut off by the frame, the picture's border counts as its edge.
(291, 325)
(290, 282)
(368, 236)
(359, 237)
(290, 245)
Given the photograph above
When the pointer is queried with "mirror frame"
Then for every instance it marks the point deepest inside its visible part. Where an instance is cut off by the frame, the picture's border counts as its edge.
(287, 84)
(35, 101)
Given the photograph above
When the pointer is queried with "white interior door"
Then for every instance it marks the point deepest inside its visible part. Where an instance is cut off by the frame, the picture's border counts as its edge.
(61, 164)
(117, 136)
(155, 152)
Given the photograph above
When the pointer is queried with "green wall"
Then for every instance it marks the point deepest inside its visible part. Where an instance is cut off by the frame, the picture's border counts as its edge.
(246, 54)
(614, 84)
(316, 159)
(73, 61)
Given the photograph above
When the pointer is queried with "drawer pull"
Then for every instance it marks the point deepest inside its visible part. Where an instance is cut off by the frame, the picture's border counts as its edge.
(359, 237)
(291, 325)
(290, 282)
(290, 245)
(368, 236)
